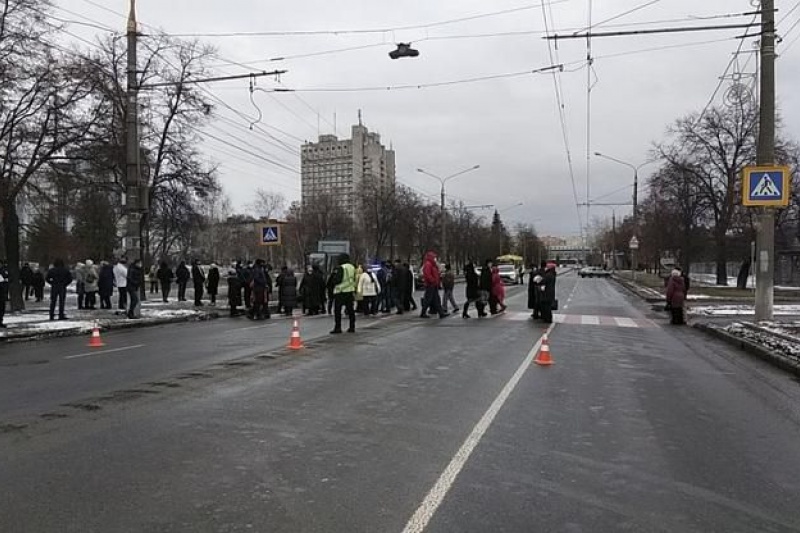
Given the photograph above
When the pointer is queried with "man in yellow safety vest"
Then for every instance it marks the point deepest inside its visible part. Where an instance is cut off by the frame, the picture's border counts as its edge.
(344, 278)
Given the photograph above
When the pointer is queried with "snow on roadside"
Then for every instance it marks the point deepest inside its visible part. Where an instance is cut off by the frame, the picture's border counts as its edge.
(738, 310)
(762, 335)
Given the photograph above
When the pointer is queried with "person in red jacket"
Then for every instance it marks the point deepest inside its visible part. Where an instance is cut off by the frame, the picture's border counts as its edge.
(432, 279)
(498, 289)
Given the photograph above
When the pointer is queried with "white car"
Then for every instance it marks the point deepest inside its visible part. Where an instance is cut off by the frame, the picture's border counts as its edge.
(594, 272)
(509, 274)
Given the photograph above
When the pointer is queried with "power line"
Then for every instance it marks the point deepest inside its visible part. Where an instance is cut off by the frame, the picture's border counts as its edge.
(363, 30)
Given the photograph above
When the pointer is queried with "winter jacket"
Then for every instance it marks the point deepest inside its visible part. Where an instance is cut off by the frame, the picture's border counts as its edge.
(26, 275)
(676, 290)
(234, 289)
(197, 275)
(431, 276)
(288, 289)
(38, 279)
(120, 275)
(135, 277)
(473, 291)
(59, 277)
(182, 273)
(312, 290)
(106, 282)
(486, 279)
(534, 292)
(368, 285)
(448, 280)
(165, 275)
(548, 287)
(152, 276)
(498, 289)
(260, 279)
(213, 280)
(90, 278)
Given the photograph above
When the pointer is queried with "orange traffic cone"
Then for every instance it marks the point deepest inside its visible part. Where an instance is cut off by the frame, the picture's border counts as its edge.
(96, 341)
(295, 342)
(543, 356)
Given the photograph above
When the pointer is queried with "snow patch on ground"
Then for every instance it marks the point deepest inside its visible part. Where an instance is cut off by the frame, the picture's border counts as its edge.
(763, 335)
(738, 310)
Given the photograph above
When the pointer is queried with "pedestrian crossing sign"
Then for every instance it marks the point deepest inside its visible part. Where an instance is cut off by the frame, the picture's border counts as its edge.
(766, 186)
(270, 235)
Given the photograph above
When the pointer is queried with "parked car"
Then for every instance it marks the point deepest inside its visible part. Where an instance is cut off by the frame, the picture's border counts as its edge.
(594, 272)
(509, 274)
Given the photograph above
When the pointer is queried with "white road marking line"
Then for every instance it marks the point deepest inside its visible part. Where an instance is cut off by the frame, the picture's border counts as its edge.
(433, 500)
(625, 322)
(590, 320)
(101, 352)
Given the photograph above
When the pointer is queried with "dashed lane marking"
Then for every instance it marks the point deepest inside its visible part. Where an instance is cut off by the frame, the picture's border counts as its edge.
(102, 352)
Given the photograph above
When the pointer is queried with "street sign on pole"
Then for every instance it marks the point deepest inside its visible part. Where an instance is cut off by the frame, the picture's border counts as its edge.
(634, 243)
(270, 235)
(766, 186)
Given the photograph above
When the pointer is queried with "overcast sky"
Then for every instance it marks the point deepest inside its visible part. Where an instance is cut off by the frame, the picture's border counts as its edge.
(509, 126)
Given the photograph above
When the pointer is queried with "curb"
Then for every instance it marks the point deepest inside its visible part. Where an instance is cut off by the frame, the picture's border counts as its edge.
(111, 327)
(634, 289)
(751, 348)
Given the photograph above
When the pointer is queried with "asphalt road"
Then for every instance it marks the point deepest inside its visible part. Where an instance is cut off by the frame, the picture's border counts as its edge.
(409, 425)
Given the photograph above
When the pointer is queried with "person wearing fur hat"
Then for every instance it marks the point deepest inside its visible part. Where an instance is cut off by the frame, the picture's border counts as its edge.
(676, 296)
(90, 285)
(547, 298)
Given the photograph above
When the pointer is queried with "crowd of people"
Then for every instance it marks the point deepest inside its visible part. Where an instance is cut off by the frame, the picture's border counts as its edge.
(348, 290)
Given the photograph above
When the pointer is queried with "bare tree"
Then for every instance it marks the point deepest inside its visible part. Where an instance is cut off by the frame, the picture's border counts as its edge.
(268, 205)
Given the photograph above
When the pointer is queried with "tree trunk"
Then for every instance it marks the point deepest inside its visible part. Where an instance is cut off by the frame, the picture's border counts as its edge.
(722, 261)
(11, 240)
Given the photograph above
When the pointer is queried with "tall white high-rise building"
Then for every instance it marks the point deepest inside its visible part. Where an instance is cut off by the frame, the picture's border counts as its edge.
(342, 168)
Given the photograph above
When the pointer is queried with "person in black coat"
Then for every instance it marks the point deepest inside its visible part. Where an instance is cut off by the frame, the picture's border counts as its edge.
(312, 290)
(26, 277)
(135, 280)
(165, 277)
(4, 283)
(246, 278)
(59, 278)
(485, 285)
(38, 284)
(473, 291)
(198, 279)
(409, 304)
(548, 293)
(105, 284)
(534, 292)
(182, 275)
(213, 283)
(234, 292)
(287, 287)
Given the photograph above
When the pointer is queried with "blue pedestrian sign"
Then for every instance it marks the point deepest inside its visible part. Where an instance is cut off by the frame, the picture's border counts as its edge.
(766, 186)
(270, 235)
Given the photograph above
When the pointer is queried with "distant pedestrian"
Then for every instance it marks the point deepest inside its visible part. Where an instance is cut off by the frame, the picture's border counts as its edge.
(153, 278)
(344, 279)
(548, 293)
(498, 289)
(409, 284)
(121, 281)
(287, 291)
(135, 280)
(90, 285)
(246, 278)
(80, 284)
(384, 276)
(397, 286)
(4, 283)
(26, 277)
(198, 279)
(330, 286)
(105, 284)
(59, 278)
(369, 288)
(212, 283)
(278, 284)
(676, 296)
(182, 276)
(431, 277)
(234, 292)
(39, 283)
(485, 285)
(473, 291)
(448, 284)
(313, 291)
(165, 276)
(534, 290)
(261, 285)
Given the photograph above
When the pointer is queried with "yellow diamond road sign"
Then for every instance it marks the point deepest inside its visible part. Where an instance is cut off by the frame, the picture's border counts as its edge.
(766, 186)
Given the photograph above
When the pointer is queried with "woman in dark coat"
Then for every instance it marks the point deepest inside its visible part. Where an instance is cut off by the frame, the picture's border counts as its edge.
(182, 275)
(473, 291)
(548, 293)
(534, 292)
(312, 290)
(486, 286)
(288, 291)
(212, 283)
(165, 277)
(105, 284)
(38, 284)
(234, 292)
(676, 296)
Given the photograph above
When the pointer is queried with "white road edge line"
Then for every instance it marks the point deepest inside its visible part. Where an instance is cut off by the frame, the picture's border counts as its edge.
(101, 352)
(434, 498)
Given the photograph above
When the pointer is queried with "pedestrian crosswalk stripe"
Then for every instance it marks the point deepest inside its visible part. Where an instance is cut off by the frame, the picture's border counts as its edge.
(585, 320)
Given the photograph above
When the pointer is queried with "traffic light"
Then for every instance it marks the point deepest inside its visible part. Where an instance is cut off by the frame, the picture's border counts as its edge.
(403, 50)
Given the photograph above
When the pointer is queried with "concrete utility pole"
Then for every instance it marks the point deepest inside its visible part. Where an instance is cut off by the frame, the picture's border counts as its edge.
(132, 185)
(765, 238)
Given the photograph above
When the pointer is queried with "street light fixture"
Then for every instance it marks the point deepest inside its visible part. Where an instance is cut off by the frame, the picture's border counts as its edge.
(443, 181)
